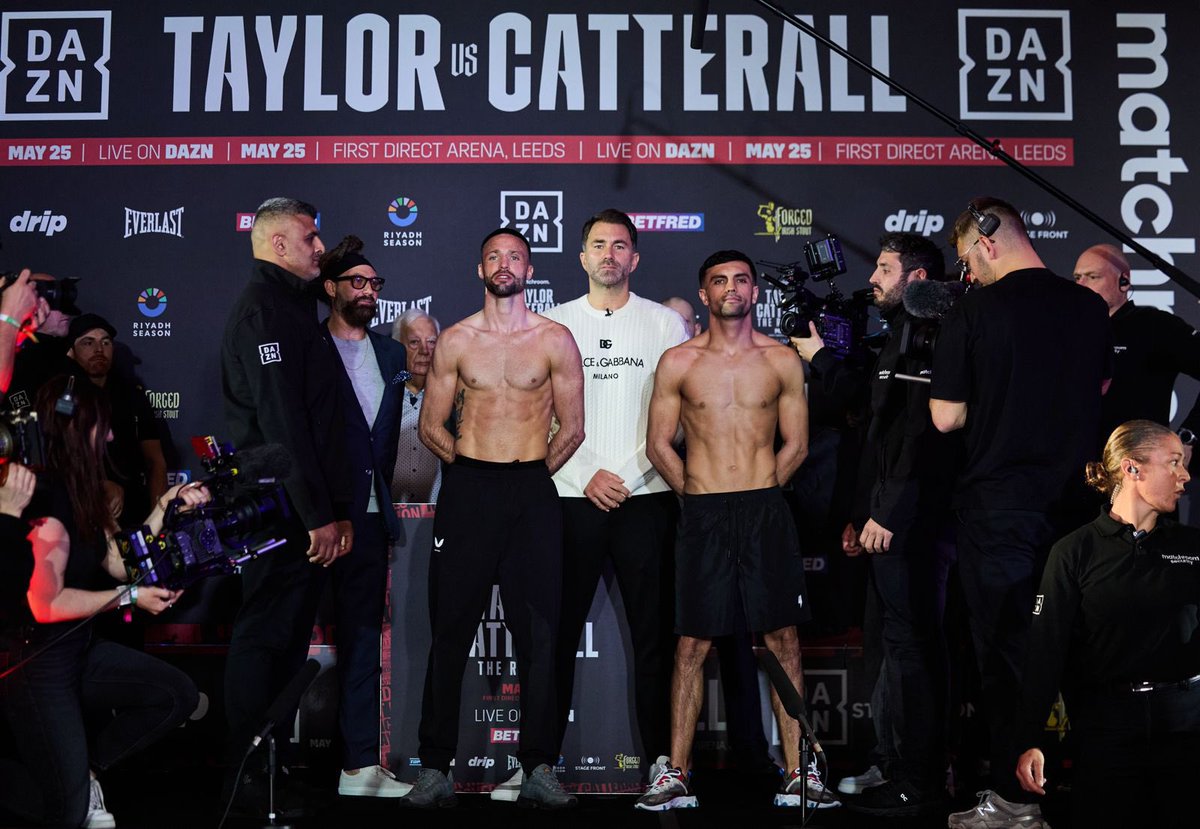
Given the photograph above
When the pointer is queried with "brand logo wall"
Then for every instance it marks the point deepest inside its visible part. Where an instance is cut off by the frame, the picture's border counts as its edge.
(537, 215)
(388, 310)
(54, 65)
(1014, 64)
(651, 222)
(922, 222)
(779, 221)
(1040, 224)
(164, 403)
(139, 222)
(152, 302)
(628, 762)
(46, 222)
(245, 222)
(402, 212)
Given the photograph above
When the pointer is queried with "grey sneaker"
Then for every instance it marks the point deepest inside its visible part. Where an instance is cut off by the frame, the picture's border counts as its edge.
(670, 790)
(431, 791)
(541, 790)
(510, 789)
(98, 817)
(658, 767)
(798, 785)
(994, 812)
(860, 782)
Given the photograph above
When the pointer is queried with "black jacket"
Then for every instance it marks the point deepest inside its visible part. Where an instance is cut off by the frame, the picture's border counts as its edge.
(280, 382)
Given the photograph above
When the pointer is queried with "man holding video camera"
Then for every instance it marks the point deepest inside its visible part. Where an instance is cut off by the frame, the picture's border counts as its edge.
(1020, 366)
(280, 384)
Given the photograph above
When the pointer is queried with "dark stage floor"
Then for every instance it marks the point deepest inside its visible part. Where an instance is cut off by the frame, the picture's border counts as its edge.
(152, 800)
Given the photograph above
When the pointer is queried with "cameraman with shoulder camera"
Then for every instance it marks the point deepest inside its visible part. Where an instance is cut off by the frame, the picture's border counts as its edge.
(79, 704)
(18, 304)
(1020, 366)
(896, 519)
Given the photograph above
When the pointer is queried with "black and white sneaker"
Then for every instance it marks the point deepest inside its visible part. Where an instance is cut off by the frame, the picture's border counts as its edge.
(894, 798)
(670, 790)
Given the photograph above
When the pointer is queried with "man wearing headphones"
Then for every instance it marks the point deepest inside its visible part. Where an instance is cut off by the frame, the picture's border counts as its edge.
(1019, 366)
(1150, 349)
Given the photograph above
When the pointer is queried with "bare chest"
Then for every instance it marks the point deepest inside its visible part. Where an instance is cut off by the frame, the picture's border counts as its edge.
(716, 383)
(500, 363)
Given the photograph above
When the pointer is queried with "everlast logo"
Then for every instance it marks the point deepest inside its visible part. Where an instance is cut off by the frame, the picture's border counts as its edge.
(169, 222)
(54, 65)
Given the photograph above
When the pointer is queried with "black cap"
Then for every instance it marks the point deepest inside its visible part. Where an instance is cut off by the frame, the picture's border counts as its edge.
(85, 323)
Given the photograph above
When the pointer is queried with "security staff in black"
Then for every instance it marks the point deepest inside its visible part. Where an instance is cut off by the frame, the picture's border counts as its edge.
(280, 384)
(1151, 348)
(1115, 626)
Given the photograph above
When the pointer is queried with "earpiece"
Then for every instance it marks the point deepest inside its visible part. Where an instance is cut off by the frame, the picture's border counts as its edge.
(1133, 470)
(1122, 281)
(987, 223)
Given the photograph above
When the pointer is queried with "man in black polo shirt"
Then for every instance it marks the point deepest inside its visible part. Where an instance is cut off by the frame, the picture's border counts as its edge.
(1020, 365)
(1150, 349)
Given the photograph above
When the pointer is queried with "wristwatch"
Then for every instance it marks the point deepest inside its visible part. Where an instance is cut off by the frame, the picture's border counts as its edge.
(1187, 437)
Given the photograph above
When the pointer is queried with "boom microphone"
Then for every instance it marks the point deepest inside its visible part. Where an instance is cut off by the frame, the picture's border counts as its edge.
(929, 299)
(793, 703)
(288, 699)
(699, 23)
(271, 460)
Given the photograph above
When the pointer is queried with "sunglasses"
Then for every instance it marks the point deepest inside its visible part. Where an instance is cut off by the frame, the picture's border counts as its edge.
(358, 282)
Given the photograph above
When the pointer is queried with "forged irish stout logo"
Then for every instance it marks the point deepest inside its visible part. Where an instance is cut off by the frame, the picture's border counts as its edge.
(53, 65)
(537, 215)
(779, 221)
(1014, 64)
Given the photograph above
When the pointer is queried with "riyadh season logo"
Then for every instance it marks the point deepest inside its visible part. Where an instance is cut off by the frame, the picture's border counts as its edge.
(1014, 64)
(53, 65)
(779, 221)
(402, 213)
(152, 303)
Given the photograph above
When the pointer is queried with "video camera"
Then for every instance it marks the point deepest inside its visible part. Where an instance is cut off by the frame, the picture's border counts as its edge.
(219, 537)
(926, 302)
(841, 320)
(21, 441)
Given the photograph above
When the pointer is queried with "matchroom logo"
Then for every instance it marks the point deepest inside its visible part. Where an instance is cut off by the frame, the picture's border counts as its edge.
(53, 65)
(1014, 64)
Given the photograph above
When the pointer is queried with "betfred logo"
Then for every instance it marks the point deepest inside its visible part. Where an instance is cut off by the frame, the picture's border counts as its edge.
(245, 222)
(922, 222)
(46, 223)
(1014, 64)
(505, 735)
(54, 65)
(653, 222)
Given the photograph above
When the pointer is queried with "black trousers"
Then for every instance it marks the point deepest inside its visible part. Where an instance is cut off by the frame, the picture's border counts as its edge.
(359, 582)
(1137, 759)
(271, 635)
(639, 537)
(1001, 554)
(495, 522)
(903, 584)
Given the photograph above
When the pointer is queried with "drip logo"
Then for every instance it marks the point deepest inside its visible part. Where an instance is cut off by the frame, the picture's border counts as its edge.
(1014, 64)
(53, 65)
(402, 212)
(46, 222)
(152, 302)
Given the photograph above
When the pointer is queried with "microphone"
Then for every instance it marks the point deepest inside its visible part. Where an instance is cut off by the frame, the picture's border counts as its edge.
(793, 703)
(1138, 537)
(929, 299)
(271, 460)
(287, 700)
(608, 312)
(699, 21)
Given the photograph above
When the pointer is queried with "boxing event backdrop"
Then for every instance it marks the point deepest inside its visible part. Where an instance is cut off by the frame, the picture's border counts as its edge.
(139, 137)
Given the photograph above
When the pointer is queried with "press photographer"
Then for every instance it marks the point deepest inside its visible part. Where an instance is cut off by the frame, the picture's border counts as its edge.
(71, 690)
(18, 304)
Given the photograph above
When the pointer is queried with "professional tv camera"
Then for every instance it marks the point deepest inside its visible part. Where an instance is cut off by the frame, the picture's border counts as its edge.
(926, 301)
(841, 320)
(21, 441)
(60, 294)
(219, 537)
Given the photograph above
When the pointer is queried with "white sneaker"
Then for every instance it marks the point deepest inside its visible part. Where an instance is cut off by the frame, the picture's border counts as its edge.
(658, 767)
(855, 785)
(97, 816)
(372, 781)
(510, 789)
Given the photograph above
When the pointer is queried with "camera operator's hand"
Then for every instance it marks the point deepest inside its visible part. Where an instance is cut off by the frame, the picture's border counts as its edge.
(154, 600)
(875, 537)
(16, 489)
(850, 545)
(606, 490)
(19, 300)
(192, 494)
(324, 544)
(807, 347)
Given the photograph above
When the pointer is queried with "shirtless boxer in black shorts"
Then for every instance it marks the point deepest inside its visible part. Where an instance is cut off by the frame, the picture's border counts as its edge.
(503, 372)
(738, 565)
